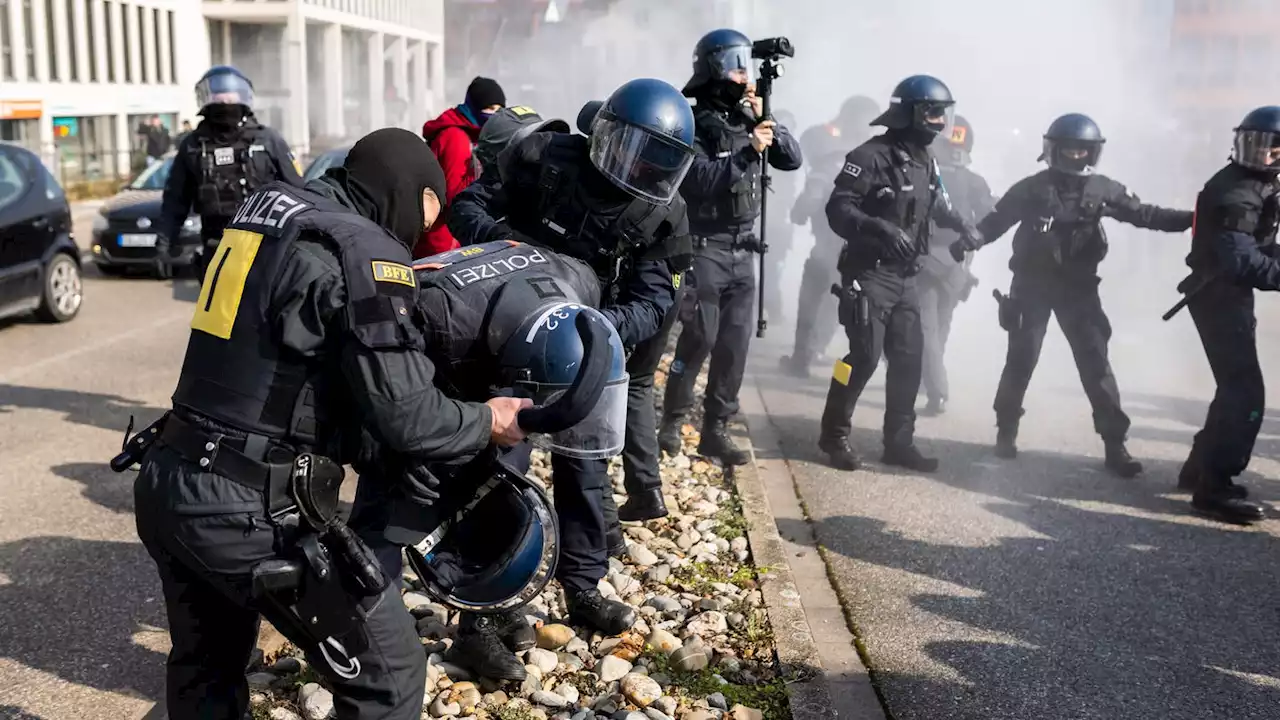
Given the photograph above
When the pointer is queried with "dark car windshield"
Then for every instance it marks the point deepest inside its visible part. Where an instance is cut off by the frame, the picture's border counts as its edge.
(332, 158)
(154, 177)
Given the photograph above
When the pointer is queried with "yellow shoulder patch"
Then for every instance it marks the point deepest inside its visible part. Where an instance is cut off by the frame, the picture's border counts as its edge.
(384, 271)
(523, 110)
(675, 279)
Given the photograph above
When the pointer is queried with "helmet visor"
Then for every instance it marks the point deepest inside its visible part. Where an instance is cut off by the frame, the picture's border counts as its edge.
(732, 63)
(1072, 156)
(224, 89)
(1257, 149)
(933, 115)
(601, 434)
(646, 165)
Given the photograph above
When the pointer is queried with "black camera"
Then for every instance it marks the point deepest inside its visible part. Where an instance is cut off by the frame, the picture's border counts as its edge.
(772, 49)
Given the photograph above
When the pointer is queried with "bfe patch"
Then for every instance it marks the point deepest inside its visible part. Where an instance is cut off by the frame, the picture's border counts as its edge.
(851, 169)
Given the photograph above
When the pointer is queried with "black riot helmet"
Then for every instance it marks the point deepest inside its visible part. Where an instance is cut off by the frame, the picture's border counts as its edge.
(721, 56)
(954, 148)
(1257, 142)
(642, 139)
(224, 85)
(921, 102)
(1073, 144)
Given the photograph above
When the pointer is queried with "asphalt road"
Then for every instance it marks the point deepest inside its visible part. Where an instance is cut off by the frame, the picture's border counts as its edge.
(81, 614)
(1043, 588)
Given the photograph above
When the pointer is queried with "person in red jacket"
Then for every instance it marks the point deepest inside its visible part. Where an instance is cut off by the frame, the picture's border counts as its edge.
(452, 137)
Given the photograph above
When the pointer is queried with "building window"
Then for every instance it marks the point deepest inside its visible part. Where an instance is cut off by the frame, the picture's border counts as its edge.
(93, 41)
(6, 42)
(73, 47)
(51, 36)
(108, 29)
(144, 71)
(29, 33)
(173, 51)
(126, 43)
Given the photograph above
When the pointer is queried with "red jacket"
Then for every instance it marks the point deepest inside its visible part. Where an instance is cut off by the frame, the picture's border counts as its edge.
(451, 137)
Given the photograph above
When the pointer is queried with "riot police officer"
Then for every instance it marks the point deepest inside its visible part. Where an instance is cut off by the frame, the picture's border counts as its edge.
(478, 305)
(1056, 251)
(824, 147)
(944, 281)
(723, 193)
(887, 196)
(612, 201)
(306, 323)
(640, 455)
(1232, 253)
(221, 162)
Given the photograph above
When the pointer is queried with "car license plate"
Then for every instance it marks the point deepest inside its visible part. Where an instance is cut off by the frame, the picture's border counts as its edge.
(137, 240)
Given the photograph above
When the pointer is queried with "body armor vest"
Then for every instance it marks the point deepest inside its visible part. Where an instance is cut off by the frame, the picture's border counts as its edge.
(236, 371)
(737, 211)
(1062, 226)
(564, 216)
(1212, 217)
(228, 170)
(473, 297)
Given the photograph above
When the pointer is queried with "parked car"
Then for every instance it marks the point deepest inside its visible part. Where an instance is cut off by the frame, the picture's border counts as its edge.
(124, 234)
(326, 160)
(39, 259)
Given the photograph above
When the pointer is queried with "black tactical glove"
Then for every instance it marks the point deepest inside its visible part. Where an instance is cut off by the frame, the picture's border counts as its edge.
(970, 241)
(419, 485)
(895, 243)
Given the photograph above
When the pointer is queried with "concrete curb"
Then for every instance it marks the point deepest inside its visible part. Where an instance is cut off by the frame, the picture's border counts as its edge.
(797, 591)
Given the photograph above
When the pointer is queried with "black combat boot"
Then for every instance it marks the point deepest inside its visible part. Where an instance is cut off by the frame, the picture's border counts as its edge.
(1007, 441)
(1189, 477)
(716, 443)
(480, 648)
(647, 505)
(1215, 499)
(590, 608)
(516, 632)
(909, 457)
(936, 407)
(1120, 462)
(795, 366)
(669, 439)
(841, 454)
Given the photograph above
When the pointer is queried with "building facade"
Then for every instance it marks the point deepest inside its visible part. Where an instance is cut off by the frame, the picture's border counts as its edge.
(78, 77)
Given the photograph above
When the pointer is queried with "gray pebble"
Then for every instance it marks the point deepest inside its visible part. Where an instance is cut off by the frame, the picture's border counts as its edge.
(717, 701)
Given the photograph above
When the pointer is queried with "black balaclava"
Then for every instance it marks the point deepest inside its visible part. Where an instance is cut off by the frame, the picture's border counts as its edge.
(385, 173)
(224, 117)
(724, 94)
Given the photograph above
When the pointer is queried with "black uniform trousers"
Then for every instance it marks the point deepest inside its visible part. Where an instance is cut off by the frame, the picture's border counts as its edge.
(1075, 302)
(640, 453)
(892, 329)
(937, 307)
(816, 320)
(1224, 317)
(724, 283)
(579, 489)
(206, 533)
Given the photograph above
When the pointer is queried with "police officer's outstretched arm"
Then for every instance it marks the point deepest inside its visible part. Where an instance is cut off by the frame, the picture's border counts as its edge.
(179, 192)
(281, 156)
(1008, 211)
(474, 213)
(1237, 249)
(1127, 208)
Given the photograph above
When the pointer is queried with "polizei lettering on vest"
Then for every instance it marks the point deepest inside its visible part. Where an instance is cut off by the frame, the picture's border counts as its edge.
(495, 268)
(270, 209)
